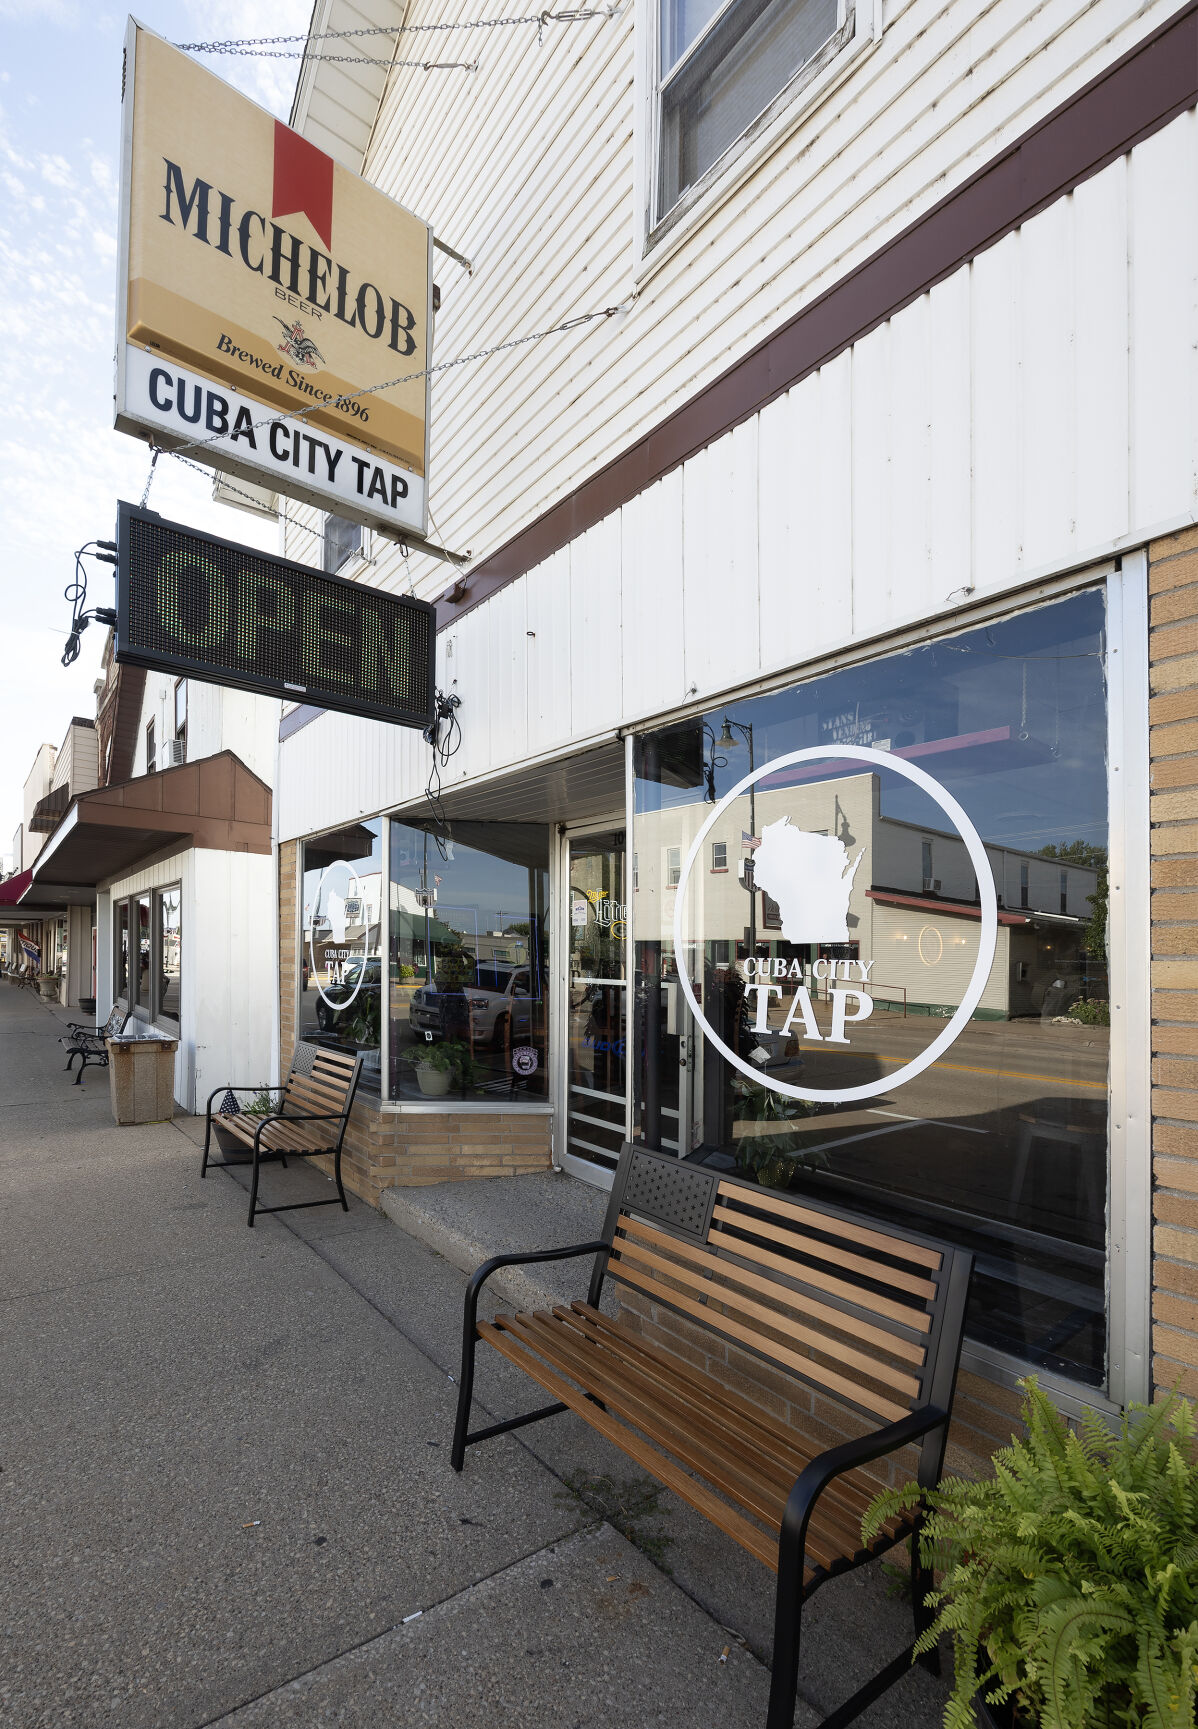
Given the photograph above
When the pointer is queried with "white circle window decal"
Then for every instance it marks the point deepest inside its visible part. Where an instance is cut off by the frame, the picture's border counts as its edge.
(334, 915)
(988, 922)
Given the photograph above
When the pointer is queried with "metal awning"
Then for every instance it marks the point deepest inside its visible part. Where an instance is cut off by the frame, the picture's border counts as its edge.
(49, 811)
(215, 802)
(14, 887)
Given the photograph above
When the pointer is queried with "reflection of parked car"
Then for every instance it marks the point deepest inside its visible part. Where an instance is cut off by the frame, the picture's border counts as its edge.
(335, 1000)
(496, 1000)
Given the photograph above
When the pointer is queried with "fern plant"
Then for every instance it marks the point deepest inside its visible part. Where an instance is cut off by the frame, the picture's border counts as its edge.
(1070, 1578)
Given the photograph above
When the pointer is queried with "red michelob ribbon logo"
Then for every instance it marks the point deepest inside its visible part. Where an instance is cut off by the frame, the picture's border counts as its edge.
(303, 182)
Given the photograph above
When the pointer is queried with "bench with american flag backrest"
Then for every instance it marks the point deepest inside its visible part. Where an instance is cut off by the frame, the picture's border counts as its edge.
(311, 1117)
(864, 1314)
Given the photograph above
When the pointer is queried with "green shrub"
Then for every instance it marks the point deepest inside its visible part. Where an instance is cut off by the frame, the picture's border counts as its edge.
(1091, 1014)
(1070, 1578)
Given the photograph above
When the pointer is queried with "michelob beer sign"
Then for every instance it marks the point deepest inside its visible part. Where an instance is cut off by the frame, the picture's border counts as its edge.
(258, 275)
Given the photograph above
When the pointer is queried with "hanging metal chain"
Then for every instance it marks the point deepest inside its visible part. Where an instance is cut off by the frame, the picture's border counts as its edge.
(275, 47)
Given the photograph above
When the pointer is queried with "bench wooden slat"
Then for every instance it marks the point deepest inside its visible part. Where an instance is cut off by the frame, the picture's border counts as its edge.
(892, 1308)
(901, 1248)
(801, 1244)
(695, 1494)
(755, 1426)
(750, 1489)
(808, 1307)
(834, 1523)
(759, 1315)
(315, 1094)
(863, 1397)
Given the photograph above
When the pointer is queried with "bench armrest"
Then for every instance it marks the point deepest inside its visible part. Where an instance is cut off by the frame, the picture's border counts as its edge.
(826, 1466)
(232, 1087)
(480, 1276)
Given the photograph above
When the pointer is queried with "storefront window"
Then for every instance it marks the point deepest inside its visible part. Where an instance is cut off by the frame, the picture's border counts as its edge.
(341, 957)
(169, 953)
(121, 980)
(852, 1036)
(469, 963)
(140, 912)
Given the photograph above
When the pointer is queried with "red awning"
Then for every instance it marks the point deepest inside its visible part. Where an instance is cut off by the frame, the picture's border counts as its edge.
(12, 890)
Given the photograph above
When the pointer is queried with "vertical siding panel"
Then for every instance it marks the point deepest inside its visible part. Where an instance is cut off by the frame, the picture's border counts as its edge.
(720, 561)
(1164, 320)
(651, 605)
(950, 448)
(871, 482)
(1101, 312)
(910, 460)
(1048, 431)
(804, 451)
(547, 659)
(594, 636)
(996, 416)
(506, 647)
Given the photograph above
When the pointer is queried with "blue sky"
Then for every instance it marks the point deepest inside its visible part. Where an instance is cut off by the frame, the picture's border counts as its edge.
(63, 468)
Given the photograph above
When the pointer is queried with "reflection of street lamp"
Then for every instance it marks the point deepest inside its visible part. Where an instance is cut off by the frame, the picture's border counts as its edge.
(727, 742)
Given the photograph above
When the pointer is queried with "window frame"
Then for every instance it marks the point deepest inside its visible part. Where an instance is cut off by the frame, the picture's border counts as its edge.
(181, 725)
(151, 747)
(660, 231)
(1129, 1242)
(719, 869)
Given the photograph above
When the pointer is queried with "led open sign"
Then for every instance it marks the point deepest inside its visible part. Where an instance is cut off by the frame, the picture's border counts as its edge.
(205, 608)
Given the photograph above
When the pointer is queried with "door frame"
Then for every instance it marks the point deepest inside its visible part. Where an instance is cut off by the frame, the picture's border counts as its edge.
(567, 833)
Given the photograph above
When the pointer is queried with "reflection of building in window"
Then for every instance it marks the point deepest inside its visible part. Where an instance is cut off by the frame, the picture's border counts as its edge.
(771, 913)
(719, 855)
(928, 875)
(673, 866)
(1064, 892)
(1023, 885)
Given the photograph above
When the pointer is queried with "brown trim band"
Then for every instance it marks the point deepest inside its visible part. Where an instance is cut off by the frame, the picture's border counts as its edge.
(1126, 103)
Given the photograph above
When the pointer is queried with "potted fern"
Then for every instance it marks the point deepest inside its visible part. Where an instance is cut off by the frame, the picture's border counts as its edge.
(1070, 1578)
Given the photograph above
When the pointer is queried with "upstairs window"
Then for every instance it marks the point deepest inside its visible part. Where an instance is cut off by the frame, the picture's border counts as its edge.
(719, 855)
(342, 540)
(721, 65)
(151, 748)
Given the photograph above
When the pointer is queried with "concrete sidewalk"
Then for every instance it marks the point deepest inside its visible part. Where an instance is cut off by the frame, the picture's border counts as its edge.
(225, 1494)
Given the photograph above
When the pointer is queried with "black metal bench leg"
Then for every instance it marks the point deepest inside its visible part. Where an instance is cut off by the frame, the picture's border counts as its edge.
(337, 1175)
(207, 1144)
(461, 1428)
(921, 1584)
(788, 1626)
(253, 1190)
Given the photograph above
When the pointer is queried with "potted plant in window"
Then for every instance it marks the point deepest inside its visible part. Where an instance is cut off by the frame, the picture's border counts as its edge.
(1070, 1578)
(437, 1066)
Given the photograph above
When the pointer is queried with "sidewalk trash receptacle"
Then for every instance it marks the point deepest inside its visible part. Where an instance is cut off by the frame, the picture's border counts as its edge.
(141, 1076)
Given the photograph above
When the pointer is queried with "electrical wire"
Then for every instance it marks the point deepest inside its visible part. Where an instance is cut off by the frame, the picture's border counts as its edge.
(444, 735)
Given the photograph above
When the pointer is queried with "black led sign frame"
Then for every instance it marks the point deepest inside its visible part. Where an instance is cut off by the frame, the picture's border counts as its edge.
(199, 607)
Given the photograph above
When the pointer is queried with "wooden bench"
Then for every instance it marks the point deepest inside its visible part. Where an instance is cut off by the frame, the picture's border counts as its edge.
(869, 1317)
(90, 1044)
(311, 1118)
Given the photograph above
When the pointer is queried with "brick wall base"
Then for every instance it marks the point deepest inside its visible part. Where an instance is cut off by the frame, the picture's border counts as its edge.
(1173, 748)
(389, 1149)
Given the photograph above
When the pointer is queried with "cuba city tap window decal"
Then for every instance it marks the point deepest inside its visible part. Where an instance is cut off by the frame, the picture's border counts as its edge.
(809, 876)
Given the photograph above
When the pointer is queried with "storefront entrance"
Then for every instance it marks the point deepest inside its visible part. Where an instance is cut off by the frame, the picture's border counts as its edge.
(593, 1103)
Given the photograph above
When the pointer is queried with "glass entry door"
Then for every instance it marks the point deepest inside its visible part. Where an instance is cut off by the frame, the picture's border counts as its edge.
(594, 1109)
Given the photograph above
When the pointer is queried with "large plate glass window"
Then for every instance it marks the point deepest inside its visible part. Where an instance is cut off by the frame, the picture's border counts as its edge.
(341, 962)
(170, 949)
(721, 65)
(469, 963)
(842, 940)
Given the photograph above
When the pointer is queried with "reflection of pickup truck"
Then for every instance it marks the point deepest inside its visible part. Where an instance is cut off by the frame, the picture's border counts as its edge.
(496, 1000)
